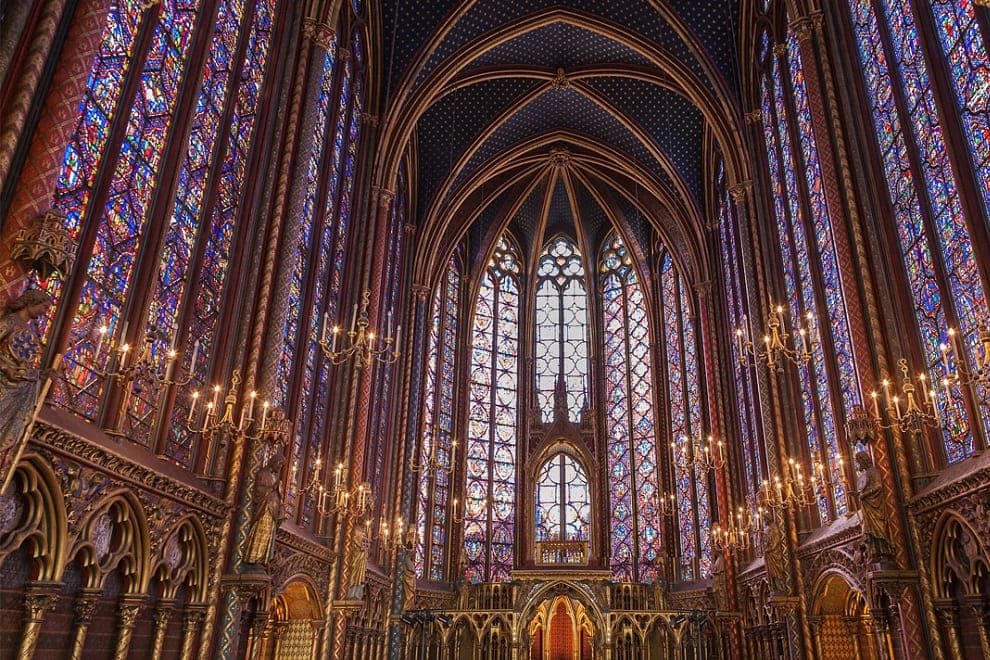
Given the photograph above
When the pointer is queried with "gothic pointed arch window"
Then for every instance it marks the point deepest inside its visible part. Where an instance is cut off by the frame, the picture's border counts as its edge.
(561, 327)
(176, 233)
(317, 263)
(682, 361)
(562, 500)
(490, 496)
(438, 425)
(633, 467)
(811, 276)
(924, 174)
(734, 286)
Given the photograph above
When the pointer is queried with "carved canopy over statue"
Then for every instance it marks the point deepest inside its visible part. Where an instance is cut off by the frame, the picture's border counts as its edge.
(20, 350)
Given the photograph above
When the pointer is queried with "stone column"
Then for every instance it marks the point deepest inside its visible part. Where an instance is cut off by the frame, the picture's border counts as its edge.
(162, 614)
(83, 610)
(979, 609)
(948, 617)
(192, 618)
(408, 491)
(130, 608)
(38, 599)
(854, 627)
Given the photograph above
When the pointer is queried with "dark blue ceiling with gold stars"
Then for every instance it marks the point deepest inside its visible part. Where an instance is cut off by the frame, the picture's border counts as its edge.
(633, 90)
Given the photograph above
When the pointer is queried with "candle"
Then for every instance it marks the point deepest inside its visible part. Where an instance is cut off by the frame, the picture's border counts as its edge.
(192, 408)
(804, 340)
(216, 397)
(206, 417)
(886, 392)
(99, 344)
(192, 363)
(123, 333)
(333, 340)
(264, 413)
(323, 330)
(948, 394)
(876, 406)
(354, 317)
(169, 363)
(897, 406)
(739, 341)
(398, 334)
(250, 414)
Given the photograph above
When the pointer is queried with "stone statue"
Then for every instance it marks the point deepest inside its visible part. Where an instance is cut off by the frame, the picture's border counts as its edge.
(267, 514)
(872, 507)
(20, 350)
(776, 558)
(357, 563)
(720, 586)
(408, 581)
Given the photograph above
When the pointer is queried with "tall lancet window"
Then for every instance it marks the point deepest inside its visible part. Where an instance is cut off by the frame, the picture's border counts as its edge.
(438, 426)
(561, 328)
(632, 444)
(492, 424)
(926, 169)
(563, 500)
(682, 361)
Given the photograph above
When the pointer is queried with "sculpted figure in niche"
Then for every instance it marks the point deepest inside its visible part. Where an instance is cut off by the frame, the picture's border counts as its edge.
(20, 350)
(872, 506)
(408, 580)
(357, 563)
(267, 514)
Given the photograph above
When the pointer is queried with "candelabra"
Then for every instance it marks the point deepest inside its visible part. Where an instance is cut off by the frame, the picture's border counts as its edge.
(775, 341)
(790, 490)
(390, 535)
(139, 363)
(217, 419)
(360, 341)
(704, 454)
(955, 361)
(338, 499)
(666, 505)
(902, 409)
(735, 535)
(433, 464)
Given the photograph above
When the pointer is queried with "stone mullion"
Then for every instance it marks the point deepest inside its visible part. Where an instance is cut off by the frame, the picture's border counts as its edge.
(419, 332)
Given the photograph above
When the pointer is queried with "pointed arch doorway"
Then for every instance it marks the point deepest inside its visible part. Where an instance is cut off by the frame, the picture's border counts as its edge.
(561, 630)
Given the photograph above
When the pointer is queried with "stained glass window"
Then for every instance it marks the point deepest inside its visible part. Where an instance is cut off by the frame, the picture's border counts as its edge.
(682, 363)
(121, 219)
(561, 328)
(492, 420)
(438, 426)
(563, 500)
(932, 228)
(633, 469)
(179, 230)
(735, 298)
(807, 253)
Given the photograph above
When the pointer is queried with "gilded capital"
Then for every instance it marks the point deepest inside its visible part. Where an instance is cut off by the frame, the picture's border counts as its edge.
(421, 291)
(369, 119)
(738, 191)
(754, 116)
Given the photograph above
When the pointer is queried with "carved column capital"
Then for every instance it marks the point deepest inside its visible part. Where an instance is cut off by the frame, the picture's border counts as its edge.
(803, 28)
(369, 119)
(754, 116)
(421, 291)
(739, 191)
(84, 607)
(780, 50)
(37, 603)
(320, 33)
(128, 613)
(385, 196)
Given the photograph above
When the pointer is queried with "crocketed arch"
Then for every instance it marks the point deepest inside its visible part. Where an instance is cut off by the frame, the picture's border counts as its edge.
(184, 559)
(957, 557)
(115, 536)
(41, 520)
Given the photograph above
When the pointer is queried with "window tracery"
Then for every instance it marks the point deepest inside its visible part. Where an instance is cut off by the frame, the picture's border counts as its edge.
(492, 420)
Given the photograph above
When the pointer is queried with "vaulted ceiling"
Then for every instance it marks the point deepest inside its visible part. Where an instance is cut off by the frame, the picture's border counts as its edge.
(524, 114)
